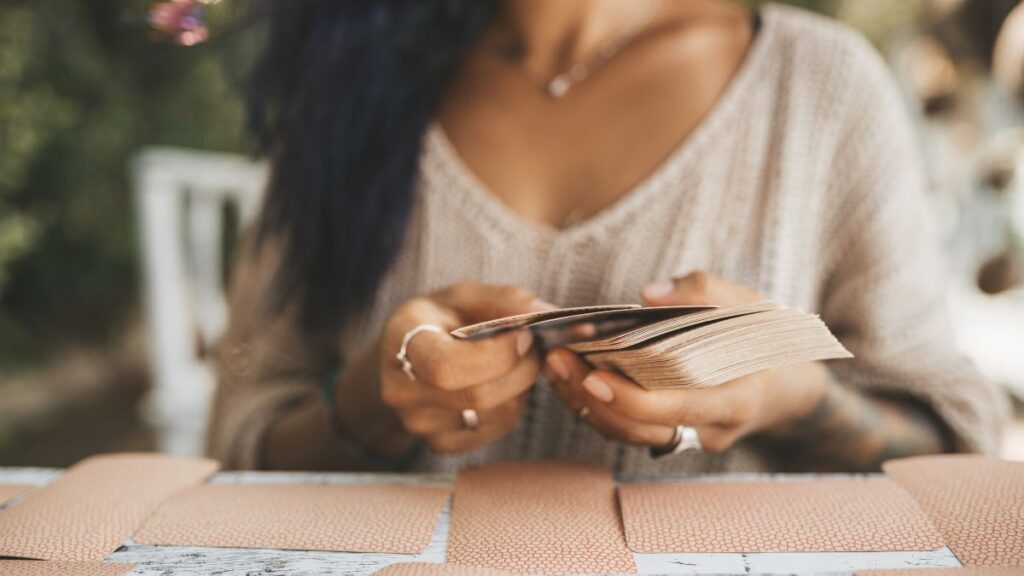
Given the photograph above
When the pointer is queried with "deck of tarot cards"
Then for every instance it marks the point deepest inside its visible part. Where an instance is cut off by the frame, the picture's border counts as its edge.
(678, 346)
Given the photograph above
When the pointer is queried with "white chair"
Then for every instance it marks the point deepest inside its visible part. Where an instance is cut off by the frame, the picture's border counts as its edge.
(182, 197)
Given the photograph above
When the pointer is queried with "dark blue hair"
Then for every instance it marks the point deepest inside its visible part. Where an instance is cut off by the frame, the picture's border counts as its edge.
(340, 101)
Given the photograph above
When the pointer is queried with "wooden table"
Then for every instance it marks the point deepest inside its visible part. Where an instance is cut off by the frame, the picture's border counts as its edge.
(167, 561)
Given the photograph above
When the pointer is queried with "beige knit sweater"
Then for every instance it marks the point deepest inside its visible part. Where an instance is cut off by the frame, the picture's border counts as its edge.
(802, 182)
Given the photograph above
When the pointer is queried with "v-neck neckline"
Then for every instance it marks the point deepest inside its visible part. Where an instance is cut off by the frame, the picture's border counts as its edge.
(467, 183)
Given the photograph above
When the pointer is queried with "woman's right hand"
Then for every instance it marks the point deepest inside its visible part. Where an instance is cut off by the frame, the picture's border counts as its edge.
(490, 376)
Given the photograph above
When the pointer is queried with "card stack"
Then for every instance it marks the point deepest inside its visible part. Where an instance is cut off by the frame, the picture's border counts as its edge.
(678, 346)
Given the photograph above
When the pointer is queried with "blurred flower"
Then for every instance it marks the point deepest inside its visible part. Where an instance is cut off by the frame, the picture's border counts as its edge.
(1001, 273)
(932, 74)
(998, 160)
(180, 21)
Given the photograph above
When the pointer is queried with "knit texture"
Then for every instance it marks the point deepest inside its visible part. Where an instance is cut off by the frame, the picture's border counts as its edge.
(803, 182)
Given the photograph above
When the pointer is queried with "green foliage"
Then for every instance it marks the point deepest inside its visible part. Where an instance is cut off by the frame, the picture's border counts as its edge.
(28, 117)
(82, 88)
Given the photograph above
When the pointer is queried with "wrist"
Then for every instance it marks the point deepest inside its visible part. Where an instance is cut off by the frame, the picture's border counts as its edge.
(371, 423)
(361, 414)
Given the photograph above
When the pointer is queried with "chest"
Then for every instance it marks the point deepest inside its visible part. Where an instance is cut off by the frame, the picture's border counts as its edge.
(706, 208)
(556, 161)
(730, 201)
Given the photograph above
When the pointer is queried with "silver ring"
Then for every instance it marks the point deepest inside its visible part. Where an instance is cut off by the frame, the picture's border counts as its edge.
(582, 413)
(403, 352)
(684, 438)
(470, 419)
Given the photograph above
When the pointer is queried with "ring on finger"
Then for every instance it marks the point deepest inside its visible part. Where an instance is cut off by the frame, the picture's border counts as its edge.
(470, 419)
(403, 351)
(683, 438)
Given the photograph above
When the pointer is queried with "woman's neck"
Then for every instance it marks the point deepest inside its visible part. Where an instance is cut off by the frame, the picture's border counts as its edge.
(546, 37)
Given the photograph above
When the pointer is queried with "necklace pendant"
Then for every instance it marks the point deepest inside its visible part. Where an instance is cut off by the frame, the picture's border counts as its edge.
(559, 86)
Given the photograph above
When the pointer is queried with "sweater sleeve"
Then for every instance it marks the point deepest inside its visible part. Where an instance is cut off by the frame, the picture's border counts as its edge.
(265, 365)
(885, 296)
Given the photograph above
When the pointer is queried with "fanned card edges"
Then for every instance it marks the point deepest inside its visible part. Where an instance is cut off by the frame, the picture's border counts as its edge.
(530, 320)
(679, 346)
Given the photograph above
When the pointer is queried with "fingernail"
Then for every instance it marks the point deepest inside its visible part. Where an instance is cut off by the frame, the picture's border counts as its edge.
(558, 366)
(658, 289)
(539, 305)
(523, 342)
(598, 389)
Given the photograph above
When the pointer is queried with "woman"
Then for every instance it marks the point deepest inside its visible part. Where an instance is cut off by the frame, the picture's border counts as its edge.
(446, 162)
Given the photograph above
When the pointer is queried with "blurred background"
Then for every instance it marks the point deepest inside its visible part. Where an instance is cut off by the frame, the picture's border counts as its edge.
(122, 143)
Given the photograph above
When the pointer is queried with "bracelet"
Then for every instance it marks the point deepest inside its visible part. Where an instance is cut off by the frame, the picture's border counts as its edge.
(394, 463)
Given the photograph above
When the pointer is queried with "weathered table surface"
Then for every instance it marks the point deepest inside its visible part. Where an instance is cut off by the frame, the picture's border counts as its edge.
(167, 560)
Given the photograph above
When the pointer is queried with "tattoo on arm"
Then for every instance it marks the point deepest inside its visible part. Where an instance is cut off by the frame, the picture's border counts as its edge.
(850, 430)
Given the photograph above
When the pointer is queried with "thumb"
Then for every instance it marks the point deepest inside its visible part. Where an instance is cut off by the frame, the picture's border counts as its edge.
(476, 302)
(672, 292)
(698, 288)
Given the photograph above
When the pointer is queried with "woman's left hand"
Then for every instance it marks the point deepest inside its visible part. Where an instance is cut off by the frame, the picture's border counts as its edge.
(625, 412)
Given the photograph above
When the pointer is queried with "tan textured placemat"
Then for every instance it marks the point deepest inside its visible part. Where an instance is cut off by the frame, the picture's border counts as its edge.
(48, 568)
(964, 571)
(826, 515)
(425, 569)
(538, 517)
(97, 504)
(977, 503)
(336, 518)
(8, 491)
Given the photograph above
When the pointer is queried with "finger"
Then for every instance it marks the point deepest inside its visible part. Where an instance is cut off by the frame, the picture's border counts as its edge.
(698, 288)
(566, 371)
(584, 331)
(666, 407)
(463, 440)
(572, 401)
(476, 302)
(717, 439)
(451, 364)
(418, 311)
(490, 394)
(634, 428)
(431, 420)
(563, 368)
(614, 426)
(399, 392)
(448, 363)
(441, 359)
